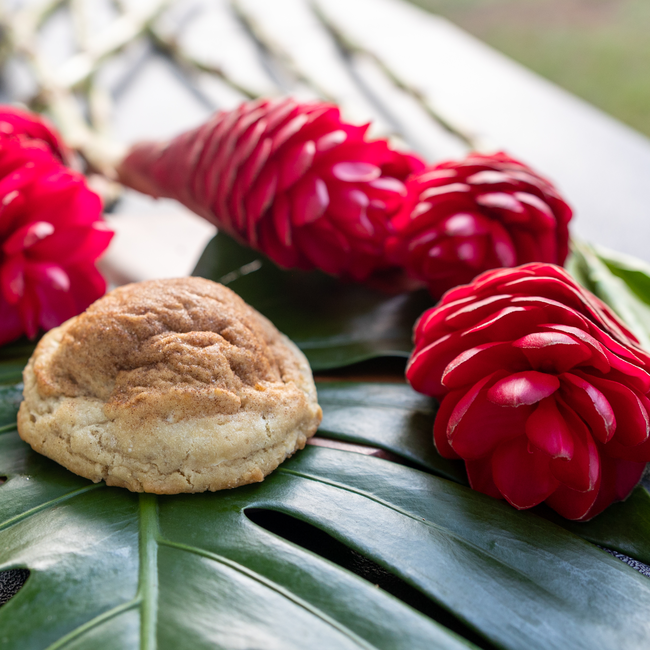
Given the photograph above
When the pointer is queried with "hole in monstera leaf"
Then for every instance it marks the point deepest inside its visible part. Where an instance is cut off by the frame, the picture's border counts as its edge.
(315, 540)
(630, 561)
(11, 582)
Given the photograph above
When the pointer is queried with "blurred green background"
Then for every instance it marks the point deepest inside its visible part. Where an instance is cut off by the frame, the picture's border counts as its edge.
(597, 49)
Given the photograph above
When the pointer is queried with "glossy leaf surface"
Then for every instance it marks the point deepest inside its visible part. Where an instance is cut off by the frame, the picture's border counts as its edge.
(10, 398)
(111, 569)
(392, 417)
(623, 527)
(334, 323)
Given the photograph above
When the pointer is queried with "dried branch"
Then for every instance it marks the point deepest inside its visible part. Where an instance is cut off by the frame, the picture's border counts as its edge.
(6, 46)
(25, 23)
(100, 108)
(170, 46)
(100, 105)
(122, 31)
(276, 52)
(21, 26)
(351, 48)
(79, 17)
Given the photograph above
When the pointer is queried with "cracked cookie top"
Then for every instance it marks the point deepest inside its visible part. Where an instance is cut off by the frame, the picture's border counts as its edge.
(172, 348)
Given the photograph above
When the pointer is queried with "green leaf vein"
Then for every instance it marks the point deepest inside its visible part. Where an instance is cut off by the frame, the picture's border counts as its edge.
(98, 620)
(49, 504)
(269, 585)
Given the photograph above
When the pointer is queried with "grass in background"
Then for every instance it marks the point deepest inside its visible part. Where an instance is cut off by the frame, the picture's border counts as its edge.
(597, 49)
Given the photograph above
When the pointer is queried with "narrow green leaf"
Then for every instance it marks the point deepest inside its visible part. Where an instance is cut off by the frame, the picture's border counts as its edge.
(633, 271)
(595, 275)
(334, 323)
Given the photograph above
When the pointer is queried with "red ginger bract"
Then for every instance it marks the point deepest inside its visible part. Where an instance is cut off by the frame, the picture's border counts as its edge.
(289, 179)
(51, 233)
(16, 122)
(544, 392)
(469, 216)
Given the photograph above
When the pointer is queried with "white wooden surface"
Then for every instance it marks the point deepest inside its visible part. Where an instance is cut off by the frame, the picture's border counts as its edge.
(600, 165)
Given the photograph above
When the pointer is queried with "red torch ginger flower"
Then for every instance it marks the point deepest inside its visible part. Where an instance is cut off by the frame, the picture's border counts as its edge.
(51, 233)
(480, 213)
(289, 179)
(544, 392)
(14, 121)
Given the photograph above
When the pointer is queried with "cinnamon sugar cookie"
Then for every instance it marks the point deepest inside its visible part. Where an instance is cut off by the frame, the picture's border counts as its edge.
(168, 386)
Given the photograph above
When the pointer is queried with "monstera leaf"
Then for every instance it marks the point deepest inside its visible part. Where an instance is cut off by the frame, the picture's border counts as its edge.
(334, 323)
(293, 562)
